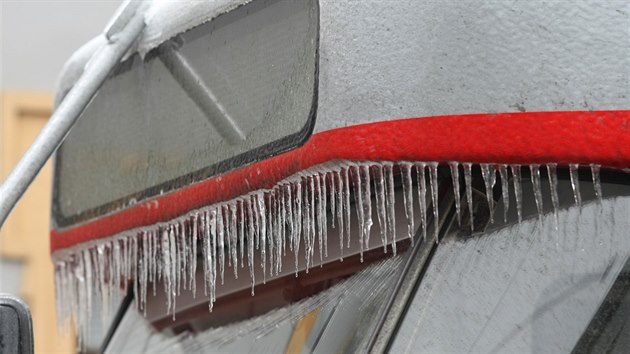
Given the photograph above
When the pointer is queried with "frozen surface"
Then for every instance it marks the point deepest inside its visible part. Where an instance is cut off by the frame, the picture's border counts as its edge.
(254, 232)
(524, 288)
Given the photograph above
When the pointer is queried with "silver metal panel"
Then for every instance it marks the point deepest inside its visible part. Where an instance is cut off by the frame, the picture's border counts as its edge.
(383, 60)
(523, 288)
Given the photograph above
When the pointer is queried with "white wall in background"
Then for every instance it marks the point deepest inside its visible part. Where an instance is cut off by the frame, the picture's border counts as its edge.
(38, 36)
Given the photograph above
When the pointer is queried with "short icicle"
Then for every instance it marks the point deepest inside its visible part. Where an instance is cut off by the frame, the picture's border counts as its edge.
(597, 185)
(505, 190)
(469, 195)
(575, 183)
(488, 172)
(456, 193)
(535, 175)
(553, 187)
(518, 191)
(433, 168)
(422, 197)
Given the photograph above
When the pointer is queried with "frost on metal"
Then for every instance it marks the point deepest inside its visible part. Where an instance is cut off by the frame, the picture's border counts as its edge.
(257, 229)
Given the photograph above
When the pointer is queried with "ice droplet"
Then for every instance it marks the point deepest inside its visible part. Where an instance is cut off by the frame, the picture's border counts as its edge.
(456, 193)
(518, 192)
(469, 195)
(575, 183)
(505, 190)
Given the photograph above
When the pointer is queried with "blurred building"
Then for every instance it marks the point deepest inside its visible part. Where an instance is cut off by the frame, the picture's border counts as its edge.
(36, 38)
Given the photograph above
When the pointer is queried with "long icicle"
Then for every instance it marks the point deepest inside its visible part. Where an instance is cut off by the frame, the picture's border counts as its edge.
(433, 168)
(422, 197)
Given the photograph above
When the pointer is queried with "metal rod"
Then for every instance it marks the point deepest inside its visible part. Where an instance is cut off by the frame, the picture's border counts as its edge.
(201, 94)
(67, 113)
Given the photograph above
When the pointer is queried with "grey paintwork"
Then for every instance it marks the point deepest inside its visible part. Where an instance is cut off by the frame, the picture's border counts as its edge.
(383, 60)
(523, 288)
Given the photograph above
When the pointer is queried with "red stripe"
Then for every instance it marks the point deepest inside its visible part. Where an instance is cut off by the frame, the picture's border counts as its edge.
(601, 137)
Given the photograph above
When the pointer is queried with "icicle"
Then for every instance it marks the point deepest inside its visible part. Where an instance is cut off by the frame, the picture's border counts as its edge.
(535, 175)
(405, 169)
(232, 236)
(488, 172)
(241, 231)
(367, 204)
(250, 242)
(166, 258)
(325, 214)
(290, 217)
(319, 216)
(214, 245)
(284, 210)
(271, 232)
(469, 195)
(379, 189)
(422, 197)
(575, 183)
(346, 207)
(193, 263)
(505, 190)
(358, 196)
(433, 166)
(221, 239)
(339, 207)
(333, 199)
(298, 224)
(260, 199)
(518, 192)
(597, 185)
(311, 224)
(553, 186)
(390, 201)
(173, 270)
(456, 193)
(180, 240)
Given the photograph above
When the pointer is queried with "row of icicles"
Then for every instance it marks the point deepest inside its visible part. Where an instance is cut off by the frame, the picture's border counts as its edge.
(296, 213)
